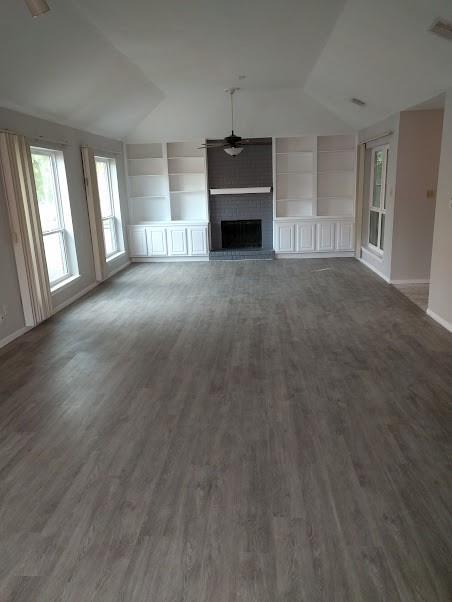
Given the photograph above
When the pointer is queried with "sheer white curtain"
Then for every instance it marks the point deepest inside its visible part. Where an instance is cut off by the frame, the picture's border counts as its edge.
(95, 216)
(17, 175)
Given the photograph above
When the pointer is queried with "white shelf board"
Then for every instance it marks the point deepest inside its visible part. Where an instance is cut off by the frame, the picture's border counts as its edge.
(148, 175)
(149, 196)
(188, 191)
(169, 222)
(255, 190)
(314, 218)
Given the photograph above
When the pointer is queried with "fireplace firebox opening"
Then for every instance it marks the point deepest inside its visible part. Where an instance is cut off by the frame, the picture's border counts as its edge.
(239, 234)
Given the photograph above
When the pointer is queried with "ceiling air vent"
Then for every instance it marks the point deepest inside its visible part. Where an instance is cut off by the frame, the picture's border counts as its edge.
(358, 101)
(442, 28)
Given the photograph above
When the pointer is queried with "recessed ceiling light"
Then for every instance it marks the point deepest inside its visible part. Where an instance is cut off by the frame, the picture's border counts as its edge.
(37, 7)
(358, 102)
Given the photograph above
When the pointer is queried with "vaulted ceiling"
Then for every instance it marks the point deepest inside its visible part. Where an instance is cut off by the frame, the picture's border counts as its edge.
(157, 70)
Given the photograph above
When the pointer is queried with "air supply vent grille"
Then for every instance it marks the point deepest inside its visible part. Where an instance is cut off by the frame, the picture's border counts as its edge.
(442, 28)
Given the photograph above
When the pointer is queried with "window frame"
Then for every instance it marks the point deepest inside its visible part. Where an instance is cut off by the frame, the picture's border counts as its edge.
(381, 209)
(113, 218)
(62, 230)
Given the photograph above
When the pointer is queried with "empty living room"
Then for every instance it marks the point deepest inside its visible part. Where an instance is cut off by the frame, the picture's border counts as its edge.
(225, 301)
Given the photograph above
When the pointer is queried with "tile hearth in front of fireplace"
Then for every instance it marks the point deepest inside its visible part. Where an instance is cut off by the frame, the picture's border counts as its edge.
(241, 254)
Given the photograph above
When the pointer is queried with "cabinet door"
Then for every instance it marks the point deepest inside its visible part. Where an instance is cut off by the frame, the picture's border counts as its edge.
(344, 236)
(137, 241)
(197, 240)
(177, 241)
(285, 238)
(325, 236)
(306, 238)
(156, 239)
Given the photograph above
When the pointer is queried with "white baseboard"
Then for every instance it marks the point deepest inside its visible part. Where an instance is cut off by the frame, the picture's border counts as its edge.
(75, 297)
(118, 269)
(314, 255)
(10, 338)
(374, 269)
(408, 282)
(447, 325)
(167, 259)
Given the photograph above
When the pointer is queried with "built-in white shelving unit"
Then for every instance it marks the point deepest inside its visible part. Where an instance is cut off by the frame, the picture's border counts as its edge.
(314, 195)
(168, 202)
(314, 176)
(148, 183)
(294, 176)
(167, 182)
(336, 175)
(187, 181)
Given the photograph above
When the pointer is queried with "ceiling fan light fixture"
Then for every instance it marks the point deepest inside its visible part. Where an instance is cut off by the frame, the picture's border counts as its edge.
(233, 151)
(37, 7)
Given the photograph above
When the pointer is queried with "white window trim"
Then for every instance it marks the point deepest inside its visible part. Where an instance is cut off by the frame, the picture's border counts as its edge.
(64, 216)
(381, 210)
(61, 285)
(114, 218)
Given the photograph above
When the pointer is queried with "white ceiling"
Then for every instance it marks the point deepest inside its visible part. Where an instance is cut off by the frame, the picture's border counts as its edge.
(62, 68)
(382, 53)
(157, 70)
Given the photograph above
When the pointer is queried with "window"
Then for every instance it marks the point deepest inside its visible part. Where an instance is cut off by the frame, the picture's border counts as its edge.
(55, 214)
(377, 203)
(109, 205)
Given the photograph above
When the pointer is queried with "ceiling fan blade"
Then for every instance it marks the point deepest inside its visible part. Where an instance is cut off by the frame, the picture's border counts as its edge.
(212, 145)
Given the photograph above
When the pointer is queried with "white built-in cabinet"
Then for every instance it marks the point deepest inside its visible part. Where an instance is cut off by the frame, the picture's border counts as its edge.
(168, 202)
(314, 194)
(314, 236)
(168, 241)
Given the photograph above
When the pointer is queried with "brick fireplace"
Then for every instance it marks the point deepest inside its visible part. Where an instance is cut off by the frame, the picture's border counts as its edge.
(241, 215)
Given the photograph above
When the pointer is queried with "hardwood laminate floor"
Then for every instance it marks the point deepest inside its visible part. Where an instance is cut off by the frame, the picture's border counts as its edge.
(229, 432)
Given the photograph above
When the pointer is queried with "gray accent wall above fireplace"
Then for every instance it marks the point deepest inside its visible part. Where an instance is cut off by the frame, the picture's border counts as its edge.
(252, 168)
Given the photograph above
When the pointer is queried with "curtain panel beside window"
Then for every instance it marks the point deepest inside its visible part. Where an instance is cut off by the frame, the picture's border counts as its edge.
(17, 174)
(94, 211)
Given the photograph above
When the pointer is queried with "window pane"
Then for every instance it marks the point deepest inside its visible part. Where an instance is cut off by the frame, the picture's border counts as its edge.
(373, 228)
(106, 205)
(382, 229)
(378, 169)
(45, 189)
(109, 236)
(55, 256)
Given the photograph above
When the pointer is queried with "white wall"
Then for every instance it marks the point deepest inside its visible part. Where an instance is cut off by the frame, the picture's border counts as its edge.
(34, 128)
(414, 213)
(382, 265)
(440, 299)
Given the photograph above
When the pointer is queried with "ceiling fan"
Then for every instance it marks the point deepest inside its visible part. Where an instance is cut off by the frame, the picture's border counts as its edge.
(233, 145)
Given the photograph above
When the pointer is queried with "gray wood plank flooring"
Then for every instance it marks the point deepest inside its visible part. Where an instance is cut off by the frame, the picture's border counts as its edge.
(229, 432)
